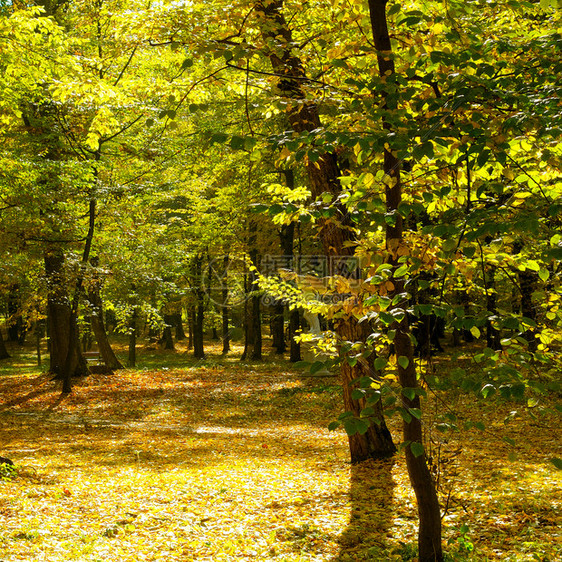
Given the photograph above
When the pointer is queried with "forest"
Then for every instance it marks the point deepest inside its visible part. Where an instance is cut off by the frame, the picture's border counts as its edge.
(280, 280)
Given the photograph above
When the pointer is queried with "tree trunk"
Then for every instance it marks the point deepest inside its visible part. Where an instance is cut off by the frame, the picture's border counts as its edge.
(132, 358)
(59, 316)
(198, 314)
(74, 353)
(16, 325)
(287, 240)
(167, 341)
(294, 326)
(3, 351)
(336, 234)
(528, 281)
(98, 327)
(255, 307)
(492, 334)
(278, 327)
(224, 308)
(190, 316)
(198, 333)
(38, 336)
(429, 534)
(248, 325)
(177, 323)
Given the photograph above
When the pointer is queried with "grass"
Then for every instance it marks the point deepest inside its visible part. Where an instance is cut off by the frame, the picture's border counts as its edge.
(223, 460)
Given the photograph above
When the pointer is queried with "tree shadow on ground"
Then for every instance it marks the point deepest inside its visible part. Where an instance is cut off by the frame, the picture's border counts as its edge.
(371, 496)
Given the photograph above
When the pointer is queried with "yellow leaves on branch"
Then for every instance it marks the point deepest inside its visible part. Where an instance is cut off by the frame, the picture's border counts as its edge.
(104, 124)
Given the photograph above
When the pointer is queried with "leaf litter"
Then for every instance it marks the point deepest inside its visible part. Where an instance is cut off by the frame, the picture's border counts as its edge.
(231, 461)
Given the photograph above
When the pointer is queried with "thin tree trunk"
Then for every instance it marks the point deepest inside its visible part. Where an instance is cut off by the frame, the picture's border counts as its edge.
(287, 241)
(198, 315)
(3, 351)
(132, 357)
(73, 336)
(294, 326)
(528, 281)
(493, 336)
(167, 339)
(198, 333)
(224, 308)
(38, 336)
(429, 534)
(255, 305)
(246, 321)
(98, 327)
(16, 328)
(278, 327)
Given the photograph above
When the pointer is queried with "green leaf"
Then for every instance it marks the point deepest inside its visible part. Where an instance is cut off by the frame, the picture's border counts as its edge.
(333, 425)
(449, 245)
(380, 363)
(417, 449)
(362, 426)
(403, 361)
(357, 394)
(409, 393)
(509, 441)
(556, 462)
(405, 415)
(302, 364)
(416, 412)
(349, 426)
(237, 143)
(488, 390)
(219, 138)
(316, 366)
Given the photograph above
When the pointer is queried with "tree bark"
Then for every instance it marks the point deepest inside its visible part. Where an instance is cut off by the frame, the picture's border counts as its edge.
(133, 323)
(429, 534)
(16, 327)
(98, 327)
(224, 308)
(335, 234)
(177, 323)
(528, 281)
(3, 351)
(493, 336)
(190, 316)
(278, 327)
(198, 314)
(294, 326)
(248, 326)
(59, 316)
(167, 339)
(73, 336)
(255, 306)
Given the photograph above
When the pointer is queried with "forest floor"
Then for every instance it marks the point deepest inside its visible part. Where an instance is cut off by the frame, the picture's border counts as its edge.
(221, 460)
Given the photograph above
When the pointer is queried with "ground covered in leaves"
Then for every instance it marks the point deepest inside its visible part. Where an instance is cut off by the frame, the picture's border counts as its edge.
(221, 460)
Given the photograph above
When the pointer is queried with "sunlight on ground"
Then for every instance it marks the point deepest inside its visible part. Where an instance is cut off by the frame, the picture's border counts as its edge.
(234, 462)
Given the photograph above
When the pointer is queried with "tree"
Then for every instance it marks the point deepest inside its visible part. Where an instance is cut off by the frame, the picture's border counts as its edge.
(374, 441)
(429, 534)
